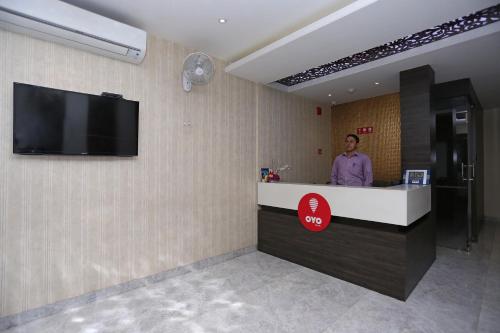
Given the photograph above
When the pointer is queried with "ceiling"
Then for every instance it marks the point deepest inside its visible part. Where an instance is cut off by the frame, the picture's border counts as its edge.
(264, 41)
(360, 26)
(251, 24)
(476, 59)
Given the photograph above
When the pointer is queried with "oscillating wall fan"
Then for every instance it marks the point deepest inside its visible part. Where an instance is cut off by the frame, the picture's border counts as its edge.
(198, 69)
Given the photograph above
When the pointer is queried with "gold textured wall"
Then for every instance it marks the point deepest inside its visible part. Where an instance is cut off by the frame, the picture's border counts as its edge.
(70, 225)
(384, 145)
(290, 132)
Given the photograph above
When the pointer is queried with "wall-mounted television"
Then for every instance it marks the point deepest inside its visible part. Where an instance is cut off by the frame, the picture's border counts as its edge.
(60, 122)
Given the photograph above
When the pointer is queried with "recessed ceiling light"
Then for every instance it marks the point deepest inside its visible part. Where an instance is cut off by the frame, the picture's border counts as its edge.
(329, 95)
(222, 20)
(351, 90)
(377, 83)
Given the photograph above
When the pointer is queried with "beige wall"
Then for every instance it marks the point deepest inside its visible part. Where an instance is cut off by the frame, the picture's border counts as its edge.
(492, 163)
(70, 225)
(290, 132)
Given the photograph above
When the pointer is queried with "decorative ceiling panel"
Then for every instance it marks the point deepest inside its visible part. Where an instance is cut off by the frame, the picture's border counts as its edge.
(460, 25)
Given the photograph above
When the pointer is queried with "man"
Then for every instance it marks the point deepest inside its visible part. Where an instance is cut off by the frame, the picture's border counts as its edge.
(352, 168)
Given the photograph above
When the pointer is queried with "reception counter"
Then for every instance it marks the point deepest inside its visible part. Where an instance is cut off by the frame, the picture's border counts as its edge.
(379, 238)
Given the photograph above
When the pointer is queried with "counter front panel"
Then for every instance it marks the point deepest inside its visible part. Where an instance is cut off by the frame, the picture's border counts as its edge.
(379, 238)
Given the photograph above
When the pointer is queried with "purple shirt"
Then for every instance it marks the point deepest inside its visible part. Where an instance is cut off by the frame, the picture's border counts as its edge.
(352, 171)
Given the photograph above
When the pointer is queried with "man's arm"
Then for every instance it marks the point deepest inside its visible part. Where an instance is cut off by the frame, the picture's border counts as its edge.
(335, 172)
(367, 172)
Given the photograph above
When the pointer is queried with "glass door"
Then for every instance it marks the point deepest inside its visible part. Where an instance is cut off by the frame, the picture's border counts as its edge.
(452, 174)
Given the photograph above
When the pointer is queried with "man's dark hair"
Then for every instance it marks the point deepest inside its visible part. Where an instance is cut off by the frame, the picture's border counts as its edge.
(354, 136)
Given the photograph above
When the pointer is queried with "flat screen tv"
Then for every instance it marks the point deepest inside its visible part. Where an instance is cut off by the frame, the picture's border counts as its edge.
(60, 122)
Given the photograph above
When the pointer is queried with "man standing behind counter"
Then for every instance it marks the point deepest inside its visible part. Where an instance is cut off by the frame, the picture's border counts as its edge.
(352, 168)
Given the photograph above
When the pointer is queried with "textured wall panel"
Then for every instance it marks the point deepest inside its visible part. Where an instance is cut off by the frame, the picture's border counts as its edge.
(491, 136)
(69, 225)
(384, 145)
(415, 104)
(290, 132)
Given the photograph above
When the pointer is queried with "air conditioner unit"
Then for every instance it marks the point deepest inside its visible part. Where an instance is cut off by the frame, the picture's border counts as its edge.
(69, 25)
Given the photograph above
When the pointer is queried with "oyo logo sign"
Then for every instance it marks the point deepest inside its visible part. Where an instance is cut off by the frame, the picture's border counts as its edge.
(314, 212)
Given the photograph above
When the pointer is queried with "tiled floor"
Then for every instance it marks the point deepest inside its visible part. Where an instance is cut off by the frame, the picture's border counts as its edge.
(260, 293)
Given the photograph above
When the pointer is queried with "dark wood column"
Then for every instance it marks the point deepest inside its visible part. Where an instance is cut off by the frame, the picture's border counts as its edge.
(415, 106)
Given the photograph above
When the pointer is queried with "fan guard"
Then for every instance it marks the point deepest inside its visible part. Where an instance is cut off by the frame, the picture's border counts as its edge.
(198, 69)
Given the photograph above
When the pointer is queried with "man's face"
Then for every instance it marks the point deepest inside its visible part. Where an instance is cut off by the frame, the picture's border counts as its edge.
(350, 144)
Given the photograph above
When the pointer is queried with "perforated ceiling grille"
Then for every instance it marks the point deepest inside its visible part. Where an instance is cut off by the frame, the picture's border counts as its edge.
(445, 30)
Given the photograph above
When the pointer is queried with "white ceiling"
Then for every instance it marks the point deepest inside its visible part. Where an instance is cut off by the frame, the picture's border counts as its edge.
(268, 40)
(476, 59)
(194, 23)
(360, 26)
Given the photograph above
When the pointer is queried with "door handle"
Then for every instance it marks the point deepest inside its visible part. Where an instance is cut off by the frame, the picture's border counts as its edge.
(463, 178)
(473, 168)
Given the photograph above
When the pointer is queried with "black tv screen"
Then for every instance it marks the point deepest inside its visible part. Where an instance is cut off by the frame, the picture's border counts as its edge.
(52, 121)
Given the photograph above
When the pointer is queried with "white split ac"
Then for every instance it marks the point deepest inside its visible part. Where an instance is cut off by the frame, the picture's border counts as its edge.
(69, 25)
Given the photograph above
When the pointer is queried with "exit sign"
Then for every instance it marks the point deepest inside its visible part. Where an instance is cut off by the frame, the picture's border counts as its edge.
(364, 130)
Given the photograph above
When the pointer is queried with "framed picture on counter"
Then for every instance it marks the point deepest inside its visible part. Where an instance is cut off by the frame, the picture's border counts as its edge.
(264, 172)
(416, 177)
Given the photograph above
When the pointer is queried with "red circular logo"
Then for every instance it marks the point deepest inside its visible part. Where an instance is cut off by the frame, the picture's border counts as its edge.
(314, 212)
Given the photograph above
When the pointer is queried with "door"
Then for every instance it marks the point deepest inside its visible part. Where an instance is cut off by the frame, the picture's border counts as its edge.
(452, 178)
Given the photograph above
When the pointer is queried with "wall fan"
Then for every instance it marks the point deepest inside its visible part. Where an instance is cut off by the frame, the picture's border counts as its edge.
(198, 69)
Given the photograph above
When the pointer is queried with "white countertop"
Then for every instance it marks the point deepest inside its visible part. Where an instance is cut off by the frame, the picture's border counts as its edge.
(399, 205)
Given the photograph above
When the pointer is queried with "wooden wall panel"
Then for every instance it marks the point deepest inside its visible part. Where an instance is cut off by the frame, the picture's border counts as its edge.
(384, 145)
(415, 104)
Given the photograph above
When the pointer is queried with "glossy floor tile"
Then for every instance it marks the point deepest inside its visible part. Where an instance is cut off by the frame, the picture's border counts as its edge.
(260, 293)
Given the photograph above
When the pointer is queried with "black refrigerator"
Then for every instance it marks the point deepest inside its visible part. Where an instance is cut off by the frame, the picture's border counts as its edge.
(456, 163)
